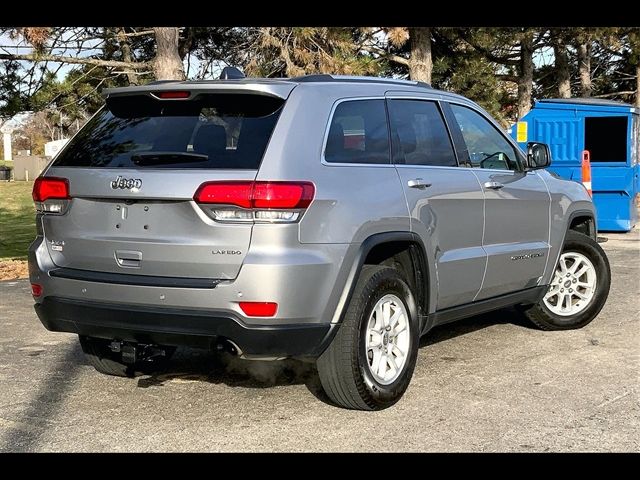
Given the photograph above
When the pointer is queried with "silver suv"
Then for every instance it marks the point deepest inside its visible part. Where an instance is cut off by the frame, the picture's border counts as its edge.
(323, 218)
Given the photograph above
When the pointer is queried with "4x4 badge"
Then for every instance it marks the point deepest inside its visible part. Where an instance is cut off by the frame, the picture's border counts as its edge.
(124, 183)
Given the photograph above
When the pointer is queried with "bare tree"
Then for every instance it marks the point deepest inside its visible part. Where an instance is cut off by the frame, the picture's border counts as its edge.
(583, 49)
(167, 64)
(525, 80)
(561, 56)
(634, 43)
(127, 56)
(584, 68)
(85, 46)
(420, 61)
(512, 49)
(293, 51)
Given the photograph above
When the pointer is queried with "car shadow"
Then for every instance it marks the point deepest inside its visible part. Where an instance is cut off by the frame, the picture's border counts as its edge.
(469, 325)
(29, 425)
(191, 365)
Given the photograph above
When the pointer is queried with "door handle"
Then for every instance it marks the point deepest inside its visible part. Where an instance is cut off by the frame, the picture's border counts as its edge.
(493, 185)
(418, 183)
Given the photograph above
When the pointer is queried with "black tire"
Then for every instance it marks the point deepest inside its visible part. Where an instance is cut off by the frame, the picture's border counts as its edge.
(542, 317)
(100, 357)
(343, 367)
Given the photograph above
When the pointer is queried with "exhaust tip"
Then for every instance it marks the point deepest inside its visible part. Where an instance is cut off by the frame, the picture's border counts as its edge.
(226, 345)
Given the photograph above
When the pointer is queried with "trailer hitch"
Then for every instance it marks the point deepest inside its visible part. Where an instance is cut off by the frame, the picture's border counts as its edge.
(137, 352)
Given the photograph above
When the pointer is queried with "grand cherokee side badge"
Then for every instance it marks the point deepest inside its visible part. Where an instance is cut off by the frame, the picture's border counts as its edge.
(527, 256)
(126, 183)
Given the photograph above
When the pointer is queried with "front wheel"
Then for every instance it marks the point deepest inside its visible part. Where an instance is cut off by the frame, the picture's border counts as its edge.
(369, 364)
(579, 288)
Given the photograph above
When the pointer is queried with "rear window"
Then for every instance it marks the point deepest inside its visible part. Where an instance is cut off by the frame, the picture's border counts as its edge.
(216, 131)
(358, 133)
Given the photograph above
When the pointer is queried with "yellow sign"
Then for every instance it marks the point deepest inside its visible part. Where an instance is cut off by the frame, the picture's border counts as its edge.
(521, 132)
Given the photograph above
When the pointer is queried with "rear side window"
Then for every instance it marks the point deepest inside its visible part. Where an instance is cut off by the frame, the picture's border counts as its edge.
(216, 131)
(419, 135)
(606, 138)
(358, 133)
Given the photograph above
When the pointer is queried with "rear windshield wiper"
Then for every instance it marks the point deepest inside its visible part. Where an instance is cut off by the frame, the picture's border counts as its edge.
(162, 158)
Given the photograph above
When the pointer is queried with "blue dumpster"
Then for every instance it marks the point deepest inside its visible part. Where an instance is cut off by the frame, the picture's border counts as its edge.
(610, 131)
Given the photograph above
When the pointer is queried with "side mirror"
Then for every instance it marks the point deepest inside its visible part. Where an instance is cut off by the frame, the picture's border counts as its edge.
(538, 155)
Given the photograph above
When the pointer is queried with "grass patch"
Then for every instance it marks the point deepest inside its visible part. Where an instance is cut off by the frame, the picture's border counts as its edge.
(17, 220)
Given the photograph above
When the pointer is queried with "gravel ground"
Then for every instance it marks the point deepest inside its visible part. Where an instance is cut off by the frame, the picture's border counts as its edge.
(489, 383)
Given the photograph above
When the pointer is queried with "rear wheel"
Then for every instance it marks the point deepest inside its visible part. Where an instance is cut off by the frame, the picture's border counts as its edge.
(99, 354)
(579, 287)
(369, 364)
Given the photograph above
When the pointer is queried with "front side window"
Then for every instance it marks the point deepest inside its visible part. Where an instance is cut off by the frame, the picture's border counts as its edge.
(358, 133)
(419, 135)
(488, 148)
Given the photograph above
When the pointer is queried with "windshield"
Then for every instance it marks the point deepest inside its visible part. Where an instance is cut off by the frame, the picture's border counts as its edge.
(226, 131)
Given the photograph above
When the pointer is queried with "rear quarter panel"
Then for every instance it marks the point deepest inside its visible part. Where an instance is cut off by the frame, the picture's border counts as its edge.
(352, 202)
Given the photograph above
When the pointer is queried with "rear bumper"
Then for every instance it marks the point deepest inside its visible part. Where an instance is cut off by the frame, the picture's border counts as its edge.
(305, 281)
(190, 327)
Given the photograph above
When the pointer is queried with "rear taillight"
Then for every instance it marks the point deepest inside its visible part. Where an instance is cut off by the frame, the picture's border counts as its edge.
(244, 201)
(36, 289)
(259, 309)
(50, 187)
(225, 193)
(284, 195)
(51, 194)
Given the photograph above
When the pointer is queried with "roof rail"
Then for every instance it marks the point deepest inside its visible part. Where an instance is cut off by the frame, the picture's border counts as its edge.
(355, 79)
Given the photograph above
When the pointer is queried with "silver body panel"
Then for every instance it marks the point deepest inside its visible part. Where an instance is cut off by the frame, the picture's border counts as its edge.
(470, 233)
(448, 216)
(516, 224)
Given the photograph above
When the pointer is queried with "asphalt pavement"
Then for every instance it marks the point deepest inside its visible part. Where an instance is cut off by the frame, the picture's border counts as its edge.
(489, 383)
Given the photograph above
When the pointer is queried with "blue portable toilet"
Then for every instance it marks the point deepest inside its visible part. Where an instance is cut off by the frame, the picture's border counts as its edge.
(610, 131)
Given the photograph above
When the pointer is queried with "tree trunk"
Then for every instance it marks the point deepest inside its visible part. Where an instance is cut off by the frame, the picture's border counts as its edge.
(525, 80)
(126, 55)
(167, 64)
(562, 64)
(584, 68)
(420, 62)
(638, 84)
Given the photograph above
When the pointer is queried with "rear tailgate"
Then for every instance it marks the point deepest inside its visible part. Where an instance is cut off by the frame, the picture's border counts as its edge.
(158, 230)
(133, 171)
